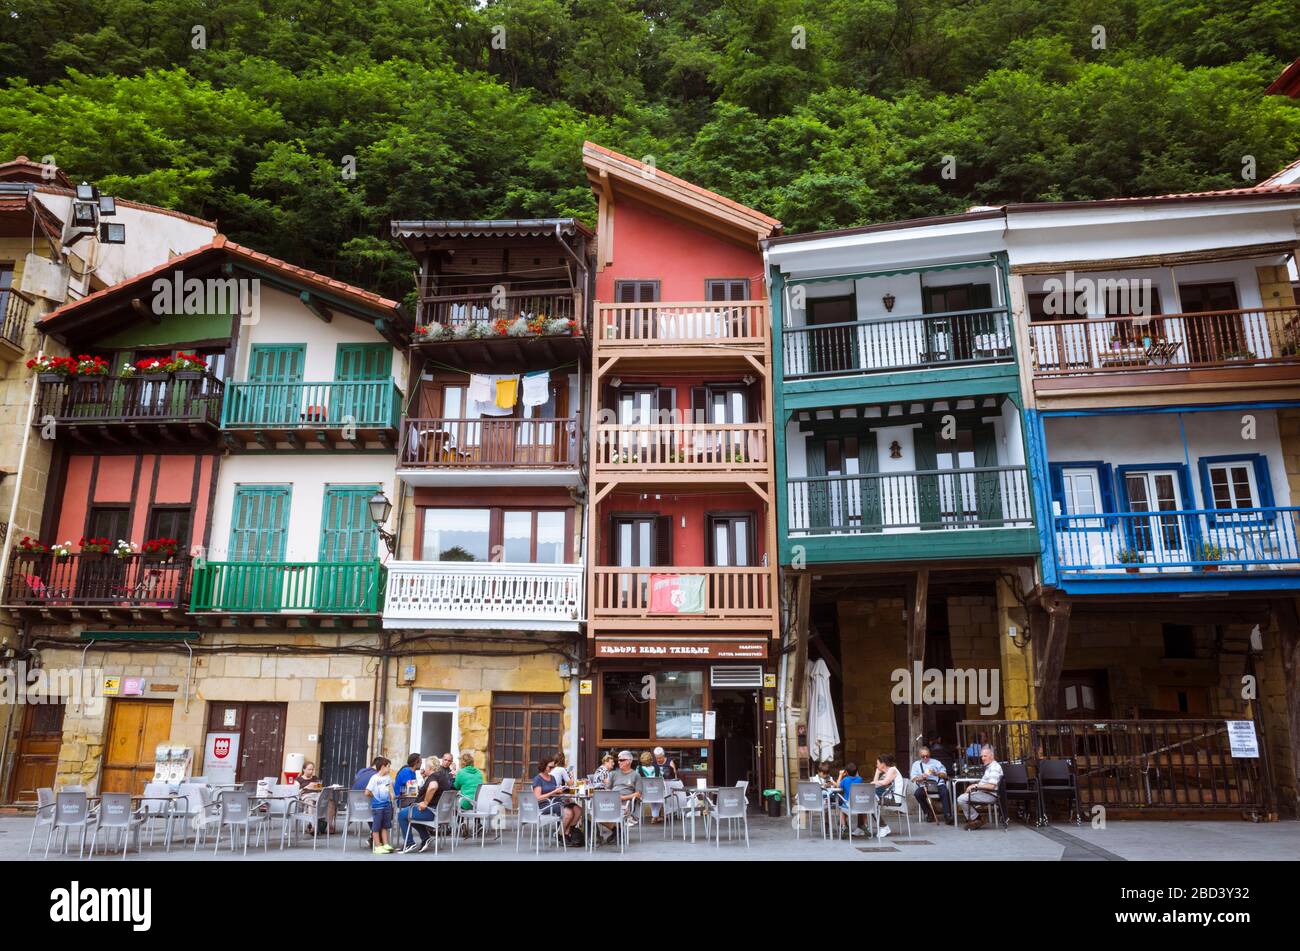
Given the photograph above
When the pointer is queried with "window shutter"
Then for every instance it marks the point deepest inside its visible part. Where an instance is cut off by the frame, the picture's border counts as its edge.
(988, 485)
(927, 487)
(665, 403)
(663, 539)
(699, 405)
(1106, 485)
(1264, 484)
(868, 463)
(754, 402)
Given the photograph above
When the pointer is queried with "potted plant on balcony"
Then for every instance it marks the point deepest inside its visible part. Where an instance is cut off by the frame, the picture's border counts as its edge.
(52, 369)
(519, 327)
(1131, 559)
(94, 546)
(30, 547)
(61, 549)
(160, 549)
(560, 326)
(123, 549)
(151, 366)
(1211, 553)
(1239, 355)
(431, 331)
(187, 366)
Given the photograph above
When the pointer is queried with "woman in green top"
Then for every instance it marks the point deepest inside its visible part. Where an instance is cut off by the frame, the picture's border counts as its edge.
(468, 780)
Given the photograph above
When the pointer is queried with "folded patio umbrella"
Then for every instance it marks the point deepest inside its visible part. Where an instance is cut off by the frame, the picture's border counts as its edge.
(823, 732)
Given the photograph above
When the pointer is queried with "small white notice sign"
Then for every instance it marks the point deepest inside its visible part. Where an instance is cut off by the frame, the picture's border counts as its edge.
(710, 724)
(1242, 739)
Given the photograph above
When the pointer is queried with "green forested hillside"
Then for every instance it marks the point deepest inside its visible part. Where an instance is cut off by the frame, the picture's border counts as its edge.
(822, 112)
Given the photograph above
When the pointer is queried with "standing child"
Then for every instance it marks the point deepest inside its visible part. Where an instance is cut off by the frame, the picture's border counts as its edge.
(380, 792)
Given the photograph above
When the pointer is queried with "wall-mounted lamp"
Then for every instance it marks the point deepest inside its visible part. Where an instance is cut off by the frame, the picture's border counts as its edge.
(380, 509)
(747, 379)
(616, 382)
(888, 301)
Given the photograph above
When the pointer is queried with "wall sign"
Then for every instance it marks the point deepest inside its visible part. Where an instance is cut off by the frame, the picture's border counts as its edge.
(680, 649)
(112, 686)
(1242, 739)
(584, 688)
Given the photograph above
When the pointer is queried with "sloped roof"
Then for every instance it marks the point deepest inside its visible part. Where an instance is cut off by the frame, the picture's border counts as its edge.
(1286, 84)
(605, 167)
(499, 228)
(23, 169)
(220, 247)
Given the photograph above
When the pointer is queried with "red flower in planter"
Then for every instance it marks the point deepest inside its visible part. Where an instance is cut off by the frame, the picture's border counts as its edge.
(90, 544)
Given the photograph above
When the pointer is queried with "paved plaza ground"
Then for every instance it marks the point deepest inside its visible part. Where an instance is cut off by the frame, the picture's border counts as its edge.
(773, 839)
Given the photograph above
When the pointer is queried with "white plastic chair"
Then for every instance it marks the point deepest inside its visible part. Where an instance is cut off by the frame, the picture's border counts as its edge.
(810, 799)
(115, 814)
(730, 807)
(530, 814)
(358, 812)
(486, 809)
(44, 814)
(898, 798)
(71, 811)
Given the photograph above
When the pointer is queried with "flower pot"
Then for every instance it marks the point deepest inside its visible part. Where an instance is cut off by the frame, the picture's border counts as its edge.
(1133, 571)
(1209, 567)
(50, 377)
(188, 375)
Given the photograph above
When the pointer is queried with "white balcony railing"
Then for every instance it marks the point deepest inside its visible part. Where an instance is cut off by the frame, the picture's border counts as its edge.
(484, 595)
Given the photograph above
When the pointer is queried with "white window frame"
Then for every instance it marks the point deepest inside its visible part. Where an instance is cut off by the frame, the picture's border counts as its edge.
(435, 701)
(1227, 468)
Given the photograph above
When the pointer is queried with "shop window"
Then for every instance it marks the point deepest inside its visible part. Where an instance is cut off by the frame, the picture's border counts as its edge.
(524, 728)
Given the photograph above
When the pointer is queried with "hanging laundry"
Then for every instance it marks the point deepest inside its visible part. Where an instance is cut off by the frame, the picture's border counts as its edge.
(480, 389)
(537, 388)
(507, 391)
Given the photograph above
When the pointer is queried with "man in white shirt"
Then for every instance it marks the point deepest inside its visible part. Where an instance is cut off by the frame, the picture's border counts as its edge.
(983, 792)
(929, 774)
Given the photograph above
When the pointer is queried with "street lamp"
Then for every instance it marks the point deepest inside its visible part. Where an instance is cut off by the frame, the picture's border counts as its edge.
(380, 509)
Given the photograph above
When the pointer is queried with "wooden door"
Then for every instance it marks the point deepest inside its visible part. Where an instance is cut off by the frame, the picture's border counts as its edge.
(136, 727)
(38, 750)
(344, 739)
(261, 744)
(1214, 338)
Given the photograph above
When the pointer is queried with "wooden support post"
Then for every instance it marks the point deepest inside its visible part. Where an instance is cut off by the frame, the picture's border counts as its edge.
(1287, 620)
(799, 631)
(917, 598)
(1049, 654)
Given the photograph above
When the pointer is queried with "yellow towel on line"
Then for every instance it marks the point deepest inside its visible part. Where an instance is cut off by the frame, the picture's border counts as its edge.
(507, 391)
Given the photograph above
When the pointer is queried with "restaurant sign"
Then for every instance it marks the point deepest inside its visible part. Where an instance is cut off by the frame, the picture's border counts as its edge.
(681, 649)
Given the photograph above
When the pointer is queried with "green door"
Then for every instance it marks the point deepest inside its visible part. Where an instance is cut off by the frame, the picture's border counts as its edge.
(259, 531)
(347, 535)
(367, 369)
(278, 368)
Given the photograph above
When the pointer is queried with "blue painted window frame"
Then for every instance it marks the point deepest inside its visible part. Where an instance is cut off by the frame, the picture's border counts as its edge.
(1263, 484)
(1105, 485)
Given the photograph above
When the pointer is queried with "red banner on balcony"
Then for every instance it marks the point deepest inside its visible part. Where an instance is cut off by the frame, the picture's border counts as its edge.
(677, 594)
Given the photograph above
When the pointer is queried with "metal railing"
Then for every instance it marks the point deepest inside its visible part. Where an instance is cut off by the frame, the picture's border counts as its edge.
(1226, 338)
(485, 593)
(725, 593)
(1139, 764)
(455, 311)
(366, 404)
(734, 323)
(898, 343)
(15, 315)
(683, 447)
(246, 587)
(89, 579)
(934, 500)
(489, 443)
(1179, 541)
(188, 398)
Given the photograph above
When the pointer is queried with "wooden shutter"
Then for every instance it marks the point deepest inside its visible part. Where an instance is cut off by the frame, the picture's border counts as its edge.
(346, 531)
(663, 540)
(988, 485)
(927, 487)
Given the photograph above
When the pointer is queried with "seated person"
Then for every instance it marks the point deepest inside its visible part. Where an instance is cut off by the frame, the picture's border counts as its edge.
(847, 779)
(984, 792)
(886, 775)
(627, 781)
(549, 791)
(930, 776)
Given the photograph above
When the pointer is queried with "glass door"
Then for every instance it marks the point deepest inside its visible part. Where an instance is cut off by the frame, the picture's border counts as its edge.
(633, 548)
(1160, 536)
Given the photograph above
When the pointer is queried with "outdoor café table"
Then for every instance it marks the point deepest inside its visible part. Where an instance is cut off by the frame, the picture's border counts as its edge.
(956, 780)
(702, 799)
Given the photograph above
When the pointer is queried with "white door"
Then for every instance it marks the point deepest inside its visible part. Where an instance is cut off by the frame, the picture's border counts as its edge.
(1160, 538)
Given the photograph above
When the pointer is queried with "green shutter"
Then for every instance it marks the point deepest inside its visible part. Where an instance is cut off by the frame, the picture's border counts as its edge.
(347, 535)
(818, 492)
(259, 532)
(278, 367)
(988, 485)
(868, 464)
(927, 486)
(366, 369)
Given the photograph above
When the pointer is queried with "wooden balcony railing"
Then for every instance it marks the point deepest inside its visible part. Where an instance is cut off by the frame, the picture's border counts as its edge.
(737, 594)
(1178, 542)
(683, 447)
(1226, 338)
(934, 500)
(15, 315)
(489, 443)
(457, 311)
(96, 580)
(704, 323)
(105, 400)
(298, 587)
(485, 594)
(898, 343)
(366, 404)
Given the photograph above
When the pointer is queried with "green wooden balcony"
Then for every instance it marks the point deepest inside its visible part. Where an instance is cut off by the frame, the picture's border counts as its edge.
(288, 588)
(331, 415)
